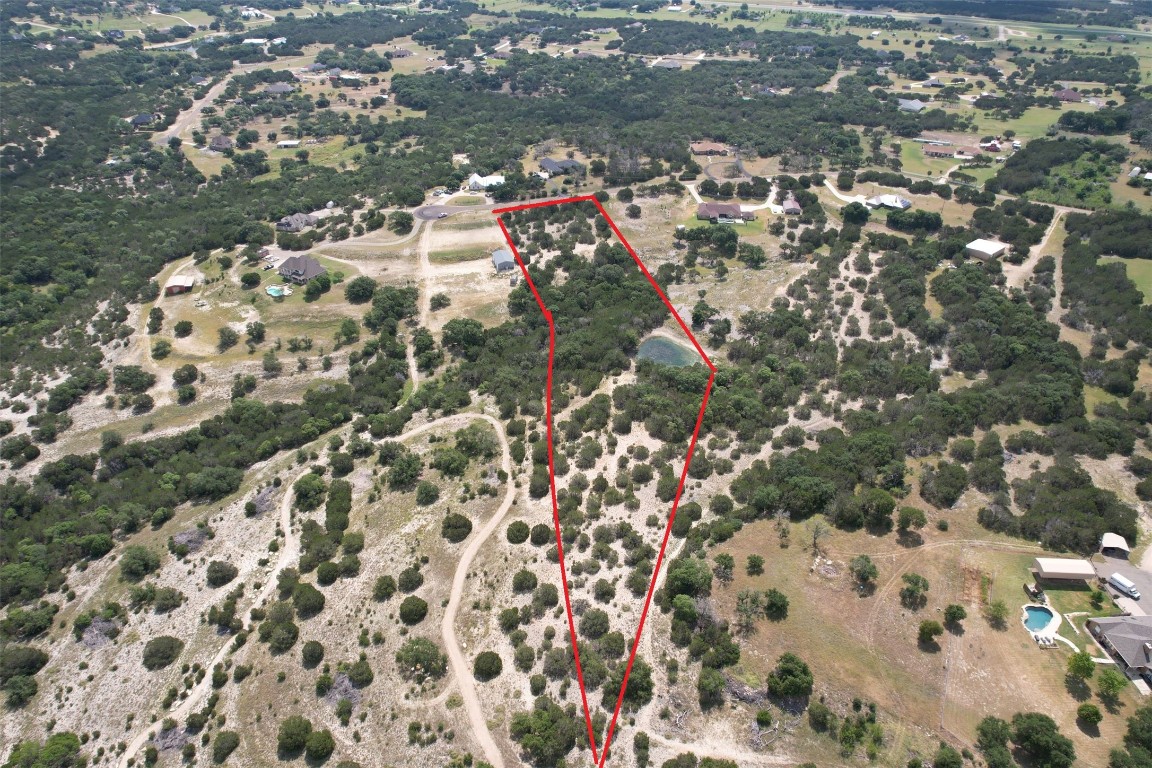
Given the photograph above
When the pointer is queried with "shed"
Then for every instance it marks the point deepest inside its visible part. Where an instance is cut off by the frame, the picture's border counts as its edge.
(179, 284)
(985, 250)
(288, 144)
(503, 260)
(1114, 541)
(1064, 569)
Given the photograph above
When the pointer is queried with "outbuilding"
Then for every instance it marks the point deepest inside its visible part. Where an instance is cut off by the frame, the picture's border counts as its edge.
(1064, 569)
(985, 250)
(1114, 544)
(179, 284)
(503, 260)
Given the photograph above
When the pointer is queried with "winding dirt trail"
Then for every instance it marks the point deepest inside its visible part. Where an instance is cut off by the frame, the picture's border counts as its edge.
(290, 554)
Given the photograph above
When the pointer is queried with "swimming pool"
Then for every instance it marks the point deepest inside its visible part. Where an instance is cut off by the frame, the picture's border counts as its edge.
(277, 291)
(666, 352)
(1037, 618)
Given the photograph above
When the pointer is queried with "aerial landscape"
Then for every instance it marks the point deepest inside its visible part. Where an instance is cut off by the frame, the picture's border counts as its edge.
(551, 383)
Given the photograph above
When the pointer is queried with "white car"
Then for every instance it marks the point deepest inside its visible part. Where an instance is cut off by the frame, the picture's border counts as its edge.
(442, 216)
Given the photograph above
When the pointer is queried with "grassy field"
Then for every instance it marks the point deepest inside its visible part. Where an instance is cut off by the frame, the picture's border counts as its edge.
(1139, 272)
(456, 255)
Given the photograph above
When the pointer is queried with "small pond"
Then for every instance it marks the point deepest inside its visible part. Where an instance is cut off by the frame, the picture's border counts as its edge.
(667, 352)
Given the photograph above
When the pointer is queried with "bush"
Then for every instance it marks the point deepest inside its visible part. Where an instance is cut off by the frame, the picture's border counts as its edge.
(929, 631)
(220, 573)
(413, 610)
(791, 677)
(384, 588)
(427, 493)
(161, 651)
(455, 527)
(313, 653)
(488, 665)
(319, 745)
(594, 623)
(518, 532)
(224, 745)
(327, 573)
(542, 534)
(308, 600)
(137, 562)
(293, 734)
(410, 579)
(420, 657)
(524, 581)
(1089, 714)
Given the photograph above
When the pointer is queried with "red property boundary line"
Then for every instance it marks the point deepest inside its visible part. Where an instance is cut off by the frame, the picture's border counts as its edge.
(601, 755)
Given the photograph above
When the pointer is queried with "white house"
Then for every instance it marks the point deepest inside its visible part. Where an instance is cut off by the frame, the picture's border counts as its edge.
(476, 182)
(254, 41)
(889, 201)
(288, 144)
(985, 250)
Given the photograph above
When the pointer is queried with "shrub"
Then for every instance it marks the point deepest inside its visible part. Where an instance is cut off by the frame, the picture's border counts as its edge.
(360, 674)
(319, 745)
(161, 651)
(455, 527)
(524, 581)
(293, 734)
(775, 605)
(791, 677)
(224, 745)
(327, 573)
(541, 535)
(1089, 714)
(420, 657)
(518, 532)
(137, 562)
(427, 493)
(488, 665)
(220, 573)
(384, 588)
(410, 579)
(413, 610)
(313, 653)
(594, 623)
(929, 631)
(308, 600)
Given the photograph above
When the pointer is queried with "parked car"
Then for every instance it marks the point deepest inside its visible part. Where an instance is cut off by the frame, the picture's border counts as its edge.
(442, 216)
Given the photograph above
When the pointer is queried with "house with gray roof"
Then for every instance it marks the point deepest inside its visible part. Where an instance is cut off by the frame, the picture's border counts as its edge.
(910, 105)
(554, 167)
(301, 269)
(280, 89)
(296, 222)
(1127, 638)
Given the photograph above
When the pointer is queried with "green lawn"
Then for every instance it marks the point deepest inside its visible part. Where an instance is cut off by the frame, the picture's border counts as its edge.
(1139, 272)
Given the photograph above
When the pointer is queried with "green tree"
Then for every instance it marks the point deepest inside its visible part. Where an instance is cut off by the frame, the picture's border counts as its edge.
(319, 745)
(954, 614)
(250, 279)
(791, 677)
(401, 222)
(384, 588)
(293, 734)
(914, 593)
(929, 631)
(1089, 714)
(226, 339)
(775, 605)
(1111, 682)
(863, 569)
(855, 213)
(517, 532)
(910, 518)
(360, 290)
(710, 687)
(427, 493)
(413, 610)
(224, 745)
(420, 657)
(161, 651)
(455, 527)
(487, 666)
(137, 561)
(725, 568)
(312, 653)
(688, 576)
(309, 491)
(1081, 666)
(755, 565)
(1039, 738)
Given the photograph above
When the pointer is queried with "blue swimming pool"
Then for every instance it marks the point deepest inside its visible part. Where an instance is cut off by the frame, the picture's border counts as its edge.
(1037, 618)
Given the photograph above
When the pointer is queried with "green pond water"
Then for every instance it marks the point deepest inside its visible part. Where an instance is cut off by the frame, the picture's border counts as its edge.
(666, 352)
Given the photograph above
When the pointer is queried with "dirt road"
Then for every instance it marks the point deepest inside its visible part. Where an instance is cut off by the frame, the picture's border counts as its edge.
(290, 554)
(1018, 274)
